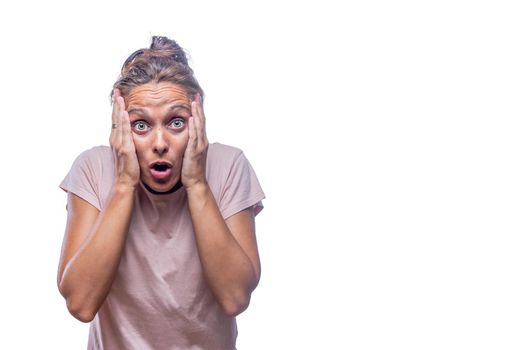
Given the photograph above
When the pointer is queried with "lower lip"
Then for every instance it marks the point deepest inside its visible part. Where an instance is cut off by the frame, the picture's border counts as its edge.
(160, 175)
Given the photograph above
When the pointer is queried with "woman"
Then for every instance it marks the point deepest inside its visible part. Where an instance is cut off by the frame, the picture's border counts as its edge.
(159, 250)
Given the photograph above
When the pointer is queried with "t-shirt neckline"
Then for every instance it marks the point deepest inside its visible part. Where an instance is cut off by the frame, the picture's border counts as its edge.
(162, 196)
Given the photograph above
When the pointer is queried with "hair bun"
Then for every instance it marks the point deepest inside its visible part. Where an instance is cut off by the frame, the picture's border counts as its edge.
(161, 48)
(163, 61)
(166, 47)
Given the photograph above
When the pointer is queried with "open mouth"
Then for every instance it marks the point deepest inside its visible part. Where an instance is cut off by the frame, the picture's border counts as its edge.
(160, 167)
(161, 170)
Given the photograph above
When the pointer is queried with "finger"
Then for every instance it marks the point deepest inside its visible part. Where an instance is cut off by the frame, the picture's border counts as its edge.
(112, 137)
(192, 134)
(119, 133)
(118, 107)
(200, 110)
(199, 124)
(123, 124)
(127, 136)
(203, 118)
(114, 116)
(196, 121)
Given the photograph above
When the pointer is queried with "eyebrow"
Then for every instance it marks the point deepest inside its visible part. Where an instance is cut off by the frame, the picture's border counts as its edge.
(176, 106)
(143, 112)
(137, 111)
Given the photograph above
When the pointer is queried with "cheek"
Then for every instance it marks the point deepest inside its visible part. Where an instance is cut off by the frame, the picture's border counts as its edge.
(180, 142)
(140, 146)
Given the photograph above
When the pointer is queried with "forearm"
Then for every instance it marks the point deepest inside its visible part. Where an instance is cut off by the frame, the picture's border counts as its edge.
(88, 276)
(228, 270)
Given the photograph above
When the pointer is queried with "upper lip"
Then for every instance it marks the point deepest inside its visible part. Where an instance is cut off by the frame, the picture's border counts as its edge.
(161, 162)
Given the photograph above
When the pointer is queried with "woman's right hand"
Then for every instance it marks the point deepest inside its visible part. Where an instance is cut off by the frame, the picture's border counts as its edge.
(121, 141)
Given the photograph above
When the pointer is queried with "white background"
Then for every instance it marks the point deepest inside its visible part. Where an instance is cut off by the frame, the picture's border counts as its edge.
(387, 135)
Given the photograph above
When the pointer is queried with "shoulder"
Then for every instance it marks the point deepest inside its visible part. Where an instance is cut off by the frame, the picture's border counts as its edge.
(232, 180)
(95, 162)
(221, 160)
(222, 157)
(88, 176)
(98, 156)
(97, 167)
(223, 152)
(97, 152)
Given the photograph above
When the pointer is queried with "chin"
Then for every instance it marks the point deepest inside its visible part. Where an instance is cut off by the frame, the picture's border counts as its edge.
(160, 187)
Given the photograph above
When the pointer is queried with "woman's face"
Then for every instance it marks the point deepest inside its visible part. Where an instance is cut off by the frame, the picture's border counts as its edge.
(159, 114)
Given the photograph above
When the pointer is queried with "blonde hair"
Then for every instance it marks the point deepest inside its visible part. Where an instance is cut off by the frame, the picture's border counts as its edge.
(163, 61)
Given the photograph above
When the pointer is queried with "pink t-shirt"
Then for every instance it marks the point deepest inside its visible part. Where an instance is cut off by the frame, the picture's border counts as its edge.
(159, 298)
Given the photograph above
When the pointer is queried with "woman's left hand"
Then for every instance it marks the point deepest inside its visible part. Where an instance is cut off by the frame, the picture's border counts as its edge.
(194, 163)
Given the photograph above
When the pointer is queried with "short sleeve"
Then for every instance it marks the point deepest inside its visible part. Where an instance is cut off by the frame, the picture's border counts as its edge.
(242, 189)
(81, 179)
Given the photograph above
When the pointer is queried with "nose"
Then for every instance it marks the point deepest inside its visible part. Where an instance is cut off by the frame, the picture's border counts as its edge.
(160, 144)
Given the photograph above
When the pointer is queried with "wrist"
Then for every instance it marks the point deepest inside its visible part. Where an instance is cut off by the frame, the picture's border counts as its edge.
(198, 188)
(199, 196)
(124, 187)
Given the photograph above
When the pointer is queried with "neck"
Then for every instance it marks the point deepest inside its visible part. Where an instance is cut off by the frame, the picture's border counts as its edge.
(173, 189)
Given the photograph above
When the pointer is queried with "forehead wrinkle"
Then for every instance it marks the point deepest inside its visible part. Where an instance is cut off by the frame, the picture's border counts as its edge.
(158, 95)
